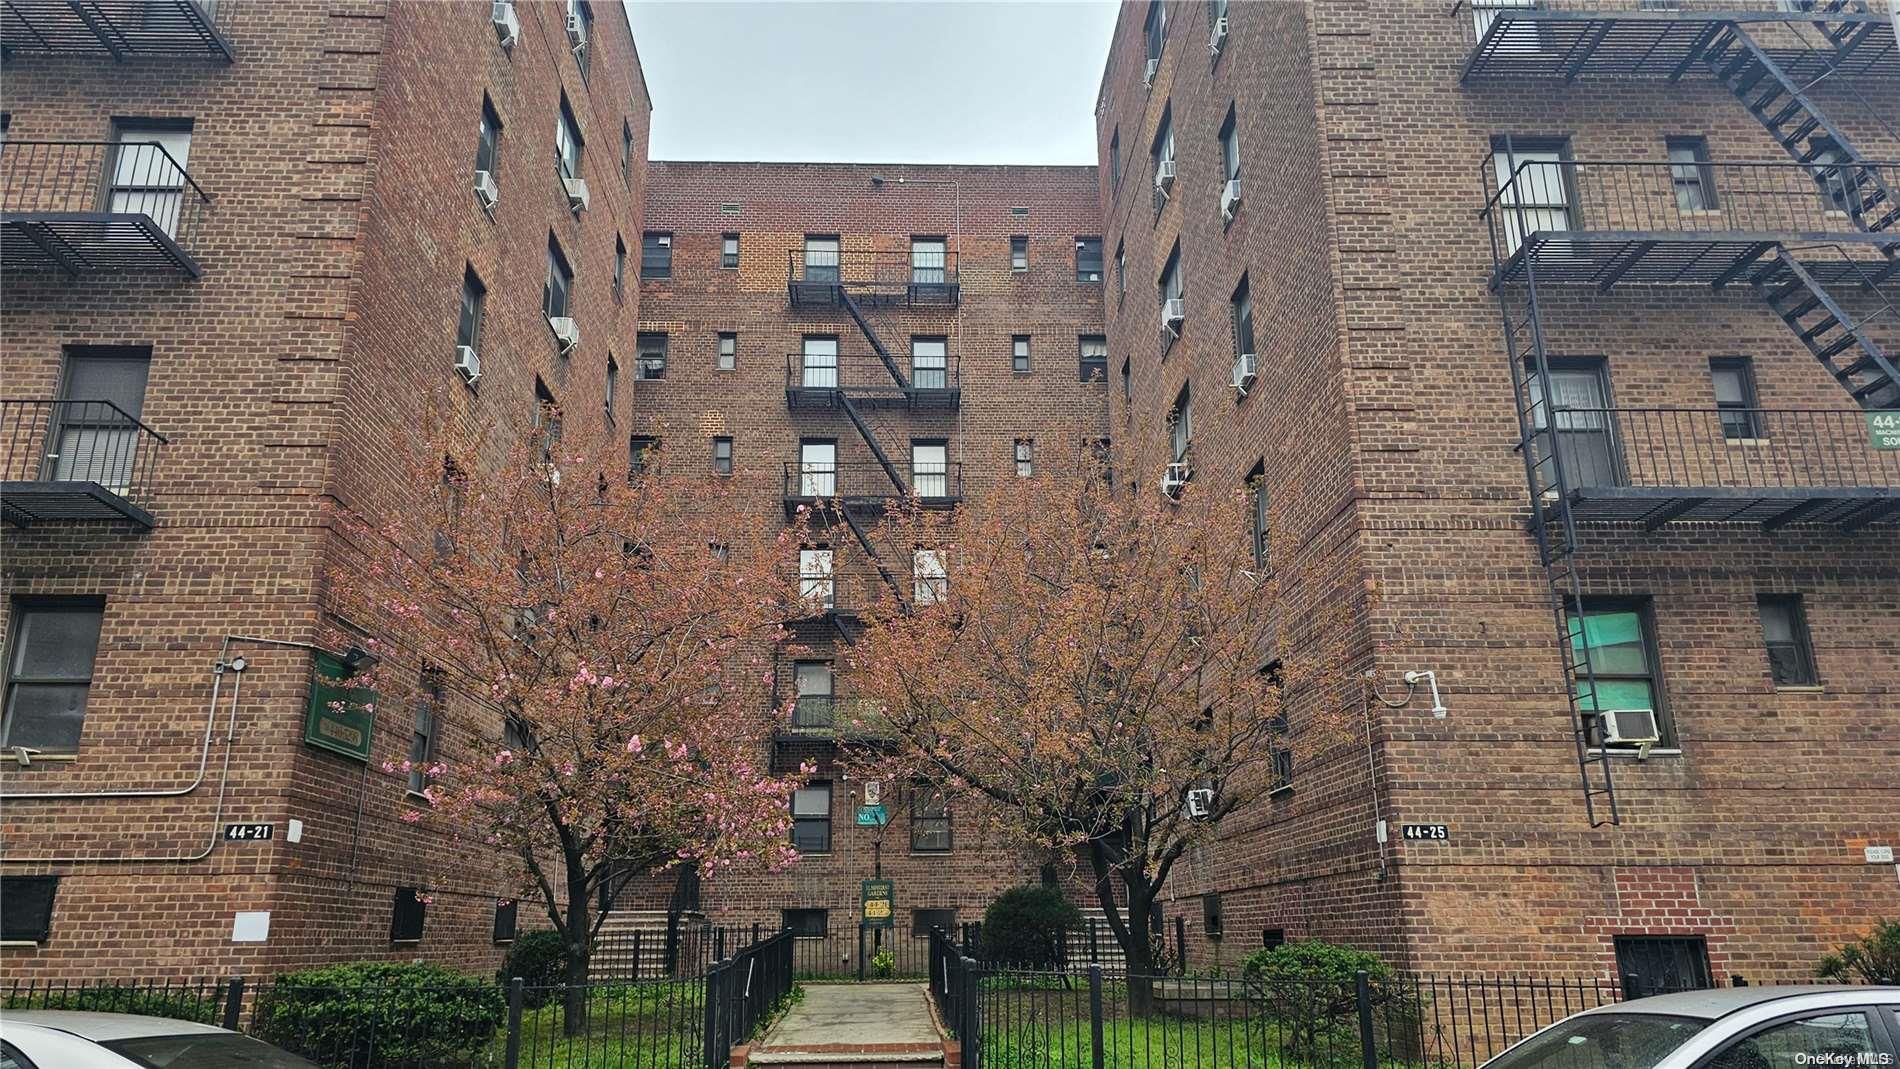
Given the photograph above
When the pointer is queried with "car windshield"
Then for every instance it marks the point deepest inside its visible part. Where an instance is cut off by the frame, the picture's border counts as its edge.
(1602, 1041)
(206, 1050)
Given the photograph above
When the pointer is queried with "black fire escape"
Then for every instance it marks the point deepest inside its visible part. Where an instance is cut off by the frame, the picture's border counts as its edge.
(119, 29)
(1817, 239)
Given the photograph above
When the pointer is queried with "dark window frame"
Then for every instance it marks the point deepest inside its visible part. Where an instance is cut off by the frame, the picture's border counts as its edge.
(1020, 354)
(656, 254)
(922, 819)
(729, 259)
(1803, 672)
(408, 916)
(426, 732)
(558, 268)
(18, 609)
(507, 921)
(488, 140)
(472, 306)
(626, 153)
(1700, 176)
(568, 129)
(814, 821)
(920, 914)
(805, 931)
(37, 929)
(1213, 919)
(646, 368)
(1229, 138)
(1083, 259)
(1240, 307)
(718, 441)
(720, 354)
(1025, 457)
(612, 386)
(1644, 608)
(1740, 421)
(620, 268)
(1091, 367)
(1262, 518)
(1019, 252)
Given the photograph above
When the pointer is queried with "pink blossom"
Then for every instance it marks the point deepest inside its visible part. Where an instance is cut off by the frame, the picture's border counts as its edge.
(635, 745)
(410, 816)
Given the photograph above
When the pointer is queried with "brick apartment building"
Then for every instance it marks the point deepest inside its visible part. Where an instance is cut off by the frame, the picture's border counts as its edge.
(243, 243)
(1685, 279)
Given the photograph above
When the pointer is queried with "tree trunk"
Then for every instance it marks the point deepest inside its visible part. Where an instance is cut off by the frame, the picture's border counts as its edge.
(1140, 954)
(580, 952)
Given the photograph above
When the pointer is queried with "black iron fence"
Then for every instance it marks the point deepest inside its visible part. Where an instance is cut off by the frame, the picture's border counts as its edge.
(934, 480)
(1739, 448)
(863, 954)
(97, 182)
(78, 441)
(742, 991)
(865, 373)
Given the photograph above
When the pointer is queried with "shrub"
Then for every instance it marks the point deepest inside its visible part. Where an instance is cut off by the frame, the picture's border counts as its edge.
(1026, 927)
(1874, 959)
(1312, 989)
(884, 964)
(541, 962)
(201, 1006)
(369, 1014)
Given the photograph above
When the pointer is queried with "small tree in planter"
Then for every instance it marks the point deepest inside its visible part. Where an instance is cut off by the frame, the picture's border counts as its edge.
(1874, 959)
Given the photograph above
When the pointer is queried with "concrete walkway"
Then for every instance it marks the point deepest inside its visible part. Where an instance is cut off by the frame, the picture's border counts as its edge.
(869, 1023)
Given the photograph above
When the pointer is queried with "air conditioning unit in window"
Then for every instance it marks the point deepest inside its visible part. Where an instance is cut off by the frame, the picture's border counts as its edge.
(507, 23)
(1199, 804)
(1230, 199)
(576, 193)
(486, 190)
(576, 29)
(1148, 73)
(1218, 36)
(1243, 373)
(1173, 312)
(1630, 727)
(468, 363)
(566, 331)
(1175, 478)
(1164, 175)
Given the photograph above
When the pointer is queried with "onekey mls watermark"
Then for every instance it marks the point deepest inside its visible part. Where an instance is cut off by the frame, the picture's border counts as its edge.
(1844, 1059)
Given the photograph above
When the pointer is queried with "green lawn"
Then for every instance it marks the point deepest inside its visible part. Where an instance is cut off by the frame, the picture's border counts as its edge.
(635, 1026)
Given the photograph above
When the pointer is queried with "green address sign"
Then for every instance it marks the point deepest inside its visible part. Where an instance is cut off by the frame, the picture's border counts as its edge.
(340, 717)
(1883, 429)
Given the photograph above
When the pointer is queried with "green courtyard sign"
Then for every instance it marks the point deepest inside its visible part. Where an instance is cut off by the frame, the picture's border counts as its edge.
(1883, 429)
(876, 901)
(339, 717)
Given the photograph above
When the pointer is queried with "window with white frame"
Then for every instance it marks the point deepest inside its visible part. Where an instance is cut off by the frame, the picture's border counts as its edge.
(930, 576)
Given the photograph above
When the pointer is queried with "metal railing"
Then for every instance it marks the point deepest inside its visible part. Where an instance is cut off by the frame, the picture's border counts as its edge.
(827, 715)
(78, 441)
(84, 187)
(1574, 196)
(120, 29)
(876, 270)
(1690, 448)
(817, 482)
(866, 373)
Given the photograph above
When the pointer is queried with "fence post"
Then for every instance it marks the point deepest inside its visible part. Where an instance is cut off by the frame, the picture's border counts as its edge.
(511, 1055)
(1180, 942)
(637, 950)
(233, 1002)
(719, 944)
(860, 951)
(1368, 1046)
(713, 1060)
(1095, 1013)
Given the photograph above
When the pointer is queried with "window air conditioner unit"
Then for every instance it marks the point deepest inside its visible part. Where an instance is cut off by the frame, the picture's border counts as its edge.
(566, 331)
(1200, 803)
(1175, 478)
(1230, 199)
(1164, 175)
(1630, 727)
(576, 193)
(1173, 311)
(507, 24)
(576, 29)
(1243, 373)
(486, 190)
(468, 363)
(1148, 74)
(1218, 36)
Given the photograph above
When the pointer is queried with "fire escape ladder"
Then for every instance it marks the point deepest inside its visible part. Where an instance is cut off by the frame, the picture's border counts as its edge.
(870, 439)
(1781, 104)
(1554, 528)
(870, 550)
(877, 344)
(1836, 338)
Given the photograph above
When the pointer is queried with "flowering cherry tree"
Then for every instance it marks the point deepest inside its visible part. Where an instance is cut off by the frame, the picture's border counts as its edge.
(1109, 671)
(612, 633)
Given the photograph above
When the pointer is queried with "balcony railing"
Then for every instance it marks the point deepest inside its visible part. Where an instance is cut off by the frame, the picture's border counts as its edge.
(816, 381)
(834, 594)
(119, 29)
(97, 207)
(75, 460)
(1760, 465)
(828, 715)
(936, 483)
(1664, 38)
(900, 277)
(1641, 221)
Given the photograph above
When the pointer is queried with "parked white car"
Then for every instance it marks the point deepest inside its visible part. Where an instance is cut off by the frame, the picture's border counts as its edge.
(76, 1039)
(1724, 1028)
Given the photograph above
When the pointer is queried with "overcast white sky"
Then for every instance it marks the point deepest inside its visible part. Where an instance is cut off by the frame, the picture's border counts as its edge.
(902, 82)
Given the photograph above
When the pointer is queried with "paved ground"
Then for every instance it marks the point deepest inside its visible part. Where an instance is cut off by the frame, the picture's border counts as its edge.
(834, 1018)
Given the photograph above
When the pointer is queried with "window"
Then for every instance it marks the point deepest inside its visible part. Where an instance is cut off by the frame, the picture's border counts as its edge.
(729, 250)
(1272, 938)
(923, 920)
(488, 143)
(1088, 259)
(148, 171)
(1019, 353)
(728, 358)
(820, 362)
(1243, 319)
(1652, 964)
(568, 145)
(1115, 160)
(406, 916)
(1181, 426)
(26, 908)
(640, 452)
(930, 363)
(1734, 380)
(1154, 30)
(1784, 630)
(580, 31)
(1162, 152)
(929, 821)
(652, 349)
(1621, 647)
(1092, 352)
(811, 821)
(817, 467)
(930, 468)
(620, 267)
(1212, 921)
(806, 923)
(1257, 491)
(1121, 270)
(505, 920)
(429, 703)
(613, 385)
(1128, 380)
(1838, 1037)
(1230, 148)
(1839, 192)
(547, 418)
(1025, 457)
(1019, 253)
(812, 682)
(930, 576)
(928, 261)
(722, 455)
(1533, 187)
(1690, 173)
(626, 153)
(49, 673)
(560, 282)
(656, 255)
(1579, 410)
(95, 437)
(821, 258)
(1170, 288)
